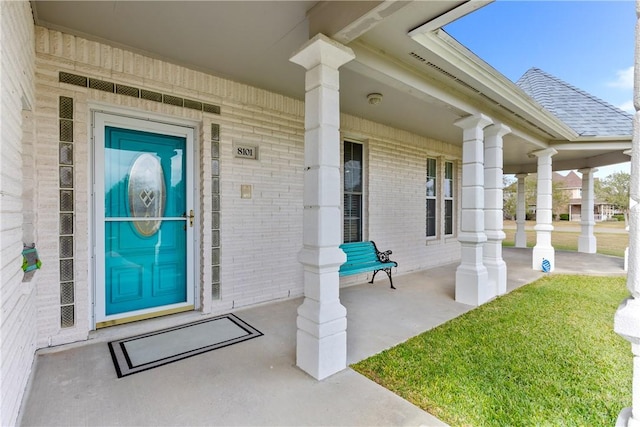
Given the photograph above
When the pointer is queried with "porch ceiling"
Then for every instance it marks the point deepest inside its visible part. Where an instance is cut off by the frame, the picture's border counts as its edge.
(251, 42)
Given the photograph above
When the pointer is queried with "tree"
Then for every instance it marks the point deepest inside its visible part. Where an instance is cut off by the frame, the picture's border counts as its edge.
(560, 198)
(614, 189)
(509, 196)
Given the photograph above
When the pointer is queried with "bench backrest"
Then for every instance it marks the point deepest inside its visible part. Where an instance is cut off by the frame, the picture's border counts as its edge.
(359, 252)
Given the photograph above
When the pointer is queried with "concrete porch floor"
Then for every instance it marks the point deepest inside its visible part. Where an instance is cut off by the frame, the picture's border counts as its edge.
(256, 382)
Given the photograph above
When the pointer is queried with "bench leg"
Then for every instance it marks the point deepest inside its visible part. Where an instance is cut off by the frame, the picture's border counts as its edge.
(386, 270)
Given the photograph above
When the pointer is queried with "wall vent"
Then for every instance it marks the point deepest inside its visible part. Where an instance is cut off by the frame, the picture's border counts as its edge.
(471, 88)
(441, 70)
(210, 108)
(150, 95)
(488, 98)
(128, 90)
(483, 95)
(102, 85)
(418, 57)
(73, 79)
(106, 86)
(194, 105)
(173, 100)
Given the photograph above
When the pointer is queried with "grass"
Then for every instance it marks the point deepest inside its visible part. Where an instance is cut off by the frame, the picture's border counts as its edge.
(608, 241)
(546, 354)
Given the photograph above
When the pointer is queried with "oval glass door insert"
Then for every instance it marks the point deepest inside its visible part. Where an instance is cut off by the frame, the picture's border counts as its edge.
(147, 193)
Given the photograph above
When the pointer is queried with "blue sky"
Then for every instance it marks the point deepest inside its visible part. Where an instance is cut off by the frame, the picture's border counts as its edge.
(588, 44)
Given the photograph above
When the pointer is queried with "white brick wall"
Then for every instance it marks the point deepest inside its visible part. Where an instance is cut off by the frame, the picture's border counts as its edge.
(260, 236)
(17, 310)
(395, 194)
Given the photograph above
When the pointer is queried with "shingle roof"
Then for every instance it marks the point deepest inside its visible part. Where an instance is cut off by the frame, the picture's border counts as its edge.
(583, 112)
(571, 180)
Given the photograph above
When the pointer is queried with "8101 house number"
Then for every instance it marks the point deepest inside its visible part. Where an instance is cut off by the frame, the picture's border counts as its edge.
(245, 151)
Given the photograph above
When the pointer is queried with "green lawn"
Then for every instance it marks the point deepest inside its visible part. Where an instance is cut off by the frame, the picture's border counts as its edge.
(609, 242)
(545, 354)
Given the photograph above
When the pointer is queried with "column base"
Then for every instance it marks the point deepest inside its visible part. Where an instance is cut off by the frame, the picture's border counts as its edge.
(321, 357)
(587, 244)
(473, 286)
(540, 253)
(625, 419)
(626, 321)
(321, 340)
(497, 272)
(520, 239)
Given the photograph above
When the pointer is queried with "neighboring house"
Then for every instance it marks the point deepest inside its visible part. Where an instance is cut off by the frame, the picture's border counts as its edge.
(205, 156)
(572, 185)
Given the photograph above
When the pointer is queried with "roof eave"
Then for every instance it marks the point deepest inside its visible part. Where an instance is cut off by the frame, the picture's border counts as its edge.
(485, 76)
(450, 16)
(590, 143)
(605, 138)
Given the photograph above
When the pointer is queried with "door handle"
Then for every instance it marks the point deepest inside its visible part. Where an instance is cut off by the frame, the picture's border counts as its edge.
(191, 216)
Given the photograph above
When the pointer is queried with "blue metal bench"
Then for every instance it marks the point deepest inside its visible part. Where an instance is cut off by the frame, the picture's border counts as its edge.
(365, 256)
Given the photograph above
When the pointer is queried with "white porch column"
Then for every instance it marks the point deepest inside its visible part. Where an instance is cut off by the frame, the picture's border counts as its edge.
(544, 211)
(521, 213)
(627, 318)
(587, 241)
(472, 278)
(631, 205)
(321, 347)
(493, 212)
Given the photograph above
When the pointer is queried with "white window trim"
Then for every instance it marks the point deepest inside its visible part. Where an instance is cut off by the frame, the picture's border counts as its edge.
(435, 197)
(452, 198)
(365, 185)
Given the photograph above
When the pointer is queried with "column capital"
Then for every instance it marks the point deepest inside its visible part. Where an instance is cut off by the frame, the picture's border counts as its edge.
(545, 152)
(471, 122)
(628, 152)
(587, 171)
(522, 175)
(322, 50)
(497, 129)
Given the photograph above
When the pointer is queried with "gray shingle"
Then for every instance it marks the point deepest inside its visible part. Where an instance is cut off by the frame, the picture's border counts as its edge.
(583, 112)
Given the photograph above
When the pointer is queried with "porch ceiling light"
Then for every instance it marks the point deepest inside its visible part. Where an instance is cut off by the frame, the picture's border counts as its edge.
(374, 98)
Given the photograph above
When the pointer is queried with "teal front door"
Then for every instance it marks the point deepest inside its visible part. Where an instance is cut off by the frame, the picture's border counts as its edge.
(146, 224)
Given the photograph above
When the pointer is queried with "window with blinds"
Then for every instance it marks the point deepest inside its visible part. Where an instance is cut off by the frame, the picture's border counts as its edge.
(449, 191)
(352, 192)
(431, 197)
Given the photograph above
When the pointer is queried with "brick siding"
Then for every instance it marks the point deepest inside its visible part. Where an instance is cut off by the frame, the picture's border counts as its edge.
(18, 314)
(260, 236)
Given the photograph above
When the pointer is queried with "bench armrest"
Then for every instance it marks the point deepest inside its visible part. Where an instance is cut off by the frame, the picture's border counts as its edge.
(383, 256)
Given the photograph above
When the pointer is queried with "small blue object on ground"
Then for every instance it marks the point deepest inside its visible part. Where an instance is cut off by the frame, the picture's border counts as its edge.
(546, 265)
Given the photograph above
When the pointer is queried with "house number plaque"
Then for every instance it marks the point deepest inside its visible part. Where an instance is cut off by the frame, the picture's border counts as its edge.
(245, 151)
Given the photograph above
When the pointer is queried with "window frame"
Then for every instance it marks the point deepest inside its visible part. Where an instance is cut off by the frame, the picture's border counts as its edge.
(360, 234)
(449, 197)
(433, 198)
